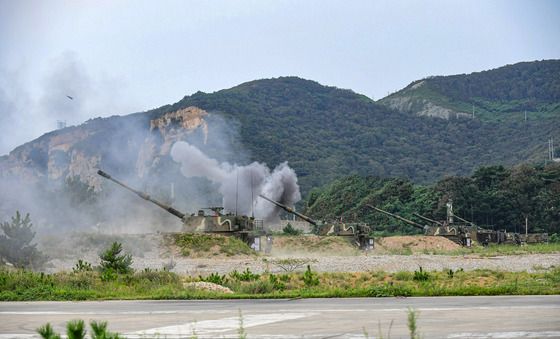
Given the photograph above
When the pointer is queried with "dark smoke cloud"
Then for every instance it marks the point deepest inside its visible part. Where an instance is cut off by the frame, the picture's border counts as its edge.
(240, 186)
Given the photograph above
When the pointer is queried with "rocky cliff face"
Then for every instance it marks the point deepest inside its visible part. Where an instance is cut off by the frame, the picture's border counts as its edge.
(130, 144)
(165, 131)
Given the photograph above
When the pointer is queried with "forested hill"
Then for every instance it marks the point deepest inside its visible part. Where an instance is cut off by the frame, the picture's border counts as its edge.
(326, 132)
(505, 93)
(494, 196)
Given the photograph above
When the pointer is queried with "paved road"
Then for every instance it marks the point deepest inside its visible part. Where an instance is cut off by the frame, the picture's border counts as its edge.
(441, 317)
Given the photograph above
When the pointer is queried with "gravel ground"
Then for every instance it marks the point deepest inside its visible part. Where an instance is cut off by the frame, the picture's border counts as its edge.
(388, 263)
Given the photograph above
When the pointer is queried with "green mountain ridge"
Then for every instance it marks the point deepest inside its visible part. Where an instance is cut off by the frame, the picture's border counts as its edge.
(508, 93)
(326, 133)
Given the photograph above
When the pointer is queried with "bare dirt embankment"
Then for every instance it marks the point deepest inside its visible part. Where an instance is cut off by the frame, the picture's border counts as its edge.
(324, 254)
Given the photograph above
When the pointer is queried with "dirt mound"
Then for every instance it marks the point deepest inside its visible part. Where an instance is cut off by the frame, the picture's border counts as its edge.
(207, 286)
(419, 243)
(206, 245)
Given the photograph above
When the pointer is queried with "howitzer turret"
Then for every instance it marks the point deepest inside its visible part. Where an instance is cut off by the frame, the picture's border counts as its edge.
(246, 228)
(359, 232)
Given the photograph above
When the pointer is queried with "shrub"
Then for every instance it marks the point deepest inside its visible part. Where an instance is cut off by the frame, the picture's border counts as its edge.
(113, 260)
(276, 283)
(421, 275)
(214, 278)
(246, 275)
(450, 273)
(291, 264)
(15, 244)
(76, 329)
(403, 276)
(290, 230)
(310, 278)
(46, 332)
(82, 266)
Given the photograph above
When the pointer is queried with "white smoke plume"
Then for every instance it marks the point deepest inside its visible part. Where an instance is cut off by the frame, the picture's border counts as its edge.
(240, 186)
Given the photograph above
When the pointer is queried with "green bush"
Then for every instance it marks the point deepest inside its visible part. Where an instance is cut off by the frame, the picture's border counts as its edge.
(82, 266)
(214, 278)
(290, 230)
(75, 329)
(276, 283)
(246, 275)
(421, 275)
(310, 278)
(112, 261)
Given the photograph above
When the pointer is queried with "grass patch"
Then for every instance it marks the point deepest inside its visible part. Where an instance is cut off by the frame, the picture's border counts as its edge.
(19, 285)
(491, 250)
(210, 245)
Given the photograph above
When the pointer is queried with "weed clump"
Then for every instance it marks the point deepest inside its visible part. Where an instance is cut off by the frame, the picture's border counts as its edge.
(421, 275)
(76, 329)
(246, 275)
(310, 278)
(214, 278)
(82, 266)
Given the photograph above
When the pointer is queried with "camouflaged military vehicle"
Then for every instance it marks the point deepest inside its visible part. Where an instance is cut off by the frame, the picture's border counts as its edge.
(244, 227)
(456, 233)
(464, 231)
(359, 232)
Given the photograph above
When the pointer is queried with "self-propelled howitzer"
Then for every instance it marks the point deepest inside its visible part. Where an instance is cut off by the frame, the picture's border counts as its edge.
(359, 232)
(244, 227)
(455, 233)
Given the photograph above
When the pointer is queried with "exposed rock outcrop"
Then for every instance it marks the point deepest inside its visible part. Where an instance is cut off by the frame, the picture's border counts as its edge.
(165, 131)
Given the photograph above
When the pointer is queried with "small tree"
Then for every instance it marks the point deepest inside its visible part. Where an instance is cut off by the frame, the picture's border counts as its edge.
(113, 261)
(290, 230)
(15, 244)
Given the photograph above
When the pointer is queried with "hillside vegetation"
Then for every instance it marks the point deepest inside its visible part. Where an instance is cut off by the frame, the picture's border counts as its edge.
(326, 132)
(502, 94)
(495, 196)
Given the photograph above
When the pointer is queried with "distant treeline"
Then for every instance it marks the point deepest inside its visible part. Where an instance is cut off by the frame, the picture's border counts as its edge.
(494, 197)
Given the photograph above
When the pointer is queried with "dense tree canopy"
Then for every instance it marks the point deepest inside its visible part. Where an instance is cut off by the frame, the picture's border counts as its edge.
(326, 132)
(494, 197)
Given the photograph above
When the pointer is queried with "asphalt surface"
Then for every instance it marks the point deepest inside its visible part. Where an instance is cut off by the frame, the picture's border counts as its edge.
(438, 317)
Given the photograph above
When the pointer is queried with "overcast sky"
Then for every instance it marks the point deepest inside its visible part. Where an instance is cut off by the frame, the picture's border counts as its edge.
(119, 57)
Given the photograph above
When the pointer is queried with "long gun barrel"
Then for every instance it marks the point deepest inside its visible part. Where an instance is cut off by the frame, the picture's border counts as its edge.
(427, 219)
(144, 196)
(463, 220)
(410, 222)
(290, 210)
